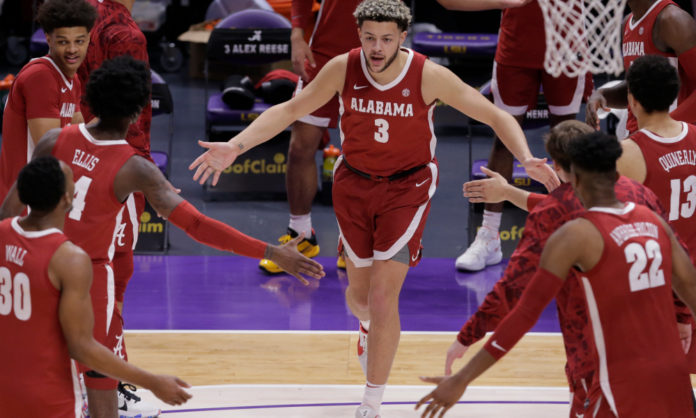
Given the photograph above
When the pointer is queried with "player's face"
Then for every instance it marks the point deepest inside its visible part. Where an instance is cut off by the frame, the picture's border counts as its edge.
(68, 47)
(380, 44)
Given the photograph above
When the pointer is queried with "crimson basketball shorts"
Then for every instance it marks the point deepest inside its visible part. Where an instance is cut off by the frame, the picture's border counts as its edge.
(108, 324)
(125, 243)
(327, 115)
(515, 90)
(377, 220)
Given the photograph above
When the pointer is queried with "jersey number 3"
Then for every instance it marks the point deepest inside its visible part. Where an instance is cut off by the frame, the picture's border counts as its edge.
(676, 208)
(382, 134)
(638, 255)
(19, 288)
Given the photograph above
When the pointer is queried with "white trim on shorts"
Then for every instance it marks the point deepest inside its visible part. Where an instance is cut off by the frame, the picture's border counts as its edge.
(498, 100)
(133, 216)
(309, 118)
(110, 296)
(574, 106)
(77, 389)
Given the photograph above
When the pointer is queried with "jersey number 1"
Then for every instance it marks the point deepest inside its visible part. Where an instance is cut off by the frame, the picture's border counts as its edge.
(638, 278)
(19, 288)
(81, 188)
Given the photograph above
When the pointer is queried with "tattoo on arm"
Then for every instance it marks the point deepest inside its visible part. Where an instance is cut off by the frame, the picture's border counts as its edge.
(241, 146)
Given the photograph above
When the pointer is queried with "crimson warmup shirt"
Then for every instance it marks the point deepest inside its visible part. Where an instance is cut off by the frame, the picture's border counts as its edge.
(115, 33)
(40, 90)
(385, 128)
(39, 379)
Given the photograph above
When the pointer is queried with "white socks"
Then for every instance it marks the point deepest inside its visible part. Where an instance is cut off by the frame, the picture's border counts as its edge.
(373, 396)
(302, 224)
(365, 325)
(491, 220)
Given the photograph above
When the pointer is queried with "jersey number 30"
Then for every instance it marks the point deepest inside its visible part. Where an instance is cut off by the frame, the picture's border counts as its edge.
(638, 278)
(19, 288)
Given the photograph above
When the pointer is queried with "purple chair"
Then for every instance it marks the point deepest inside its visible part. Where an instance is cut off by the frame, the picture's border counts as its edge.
(450, 44)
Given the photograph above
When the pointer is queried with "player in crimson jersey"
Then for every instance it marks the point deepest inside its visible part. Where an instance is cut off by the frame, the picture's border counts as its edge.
(657, 27)
(46, 312)
(334, 34)
(107, 170)
(518, 73)
(547, 214)
(387, 174)
(628, 261)
(46, 92)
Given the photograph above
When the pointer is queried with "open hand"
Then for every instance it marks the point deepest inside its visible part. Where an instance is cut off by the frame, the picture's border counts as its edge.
(219, 156)
(447, 393)
(540, 171)
(170, 389)
(490, 190)
(288, 258)
(594, 103)
(455, 351)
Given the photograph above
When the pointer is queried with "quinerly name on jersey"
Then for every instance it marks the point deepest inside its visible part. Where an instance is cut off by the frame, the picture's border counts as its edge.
(637, 229)
(633, 49)
(84, 160)
(377, 107)
(67, 110)
(15, 254)
(677, 158)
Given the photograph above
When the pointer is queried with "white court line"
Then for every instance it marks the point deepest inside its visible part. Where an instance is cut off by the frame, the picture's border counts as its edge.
(261, 331)
(294, 386)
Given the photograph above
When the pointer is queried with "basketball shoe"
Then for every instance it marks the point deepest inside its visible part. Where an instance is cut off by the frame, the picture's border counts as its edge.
(308, 247)
(341, 262)
(131, 406)
(484, 251)
(362, 349)
(365, 411)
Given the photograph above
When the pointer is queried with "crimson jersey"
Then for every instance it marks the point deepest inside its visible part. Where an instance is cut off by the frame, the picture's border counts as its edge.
(521, 39)
(642, 368)
(385, 128)
(115, 33)
(559, 207)
(335, 31)
(93, 222)
(40, 90)
(638, 41)
(671, 174)
(39, 379)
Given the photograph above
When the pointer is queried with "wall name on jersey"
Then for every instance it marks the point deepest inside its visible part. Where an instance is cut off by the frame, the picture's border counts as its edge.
(14, 254)
(84, 160)
(67, 110)
(378, 107)
(678, 158)
(633, 49)
(624, 232)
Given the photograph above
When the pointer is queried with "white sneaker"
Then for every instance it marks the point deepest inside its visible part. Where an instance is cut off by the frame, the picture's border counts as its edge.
(484, 251)
(131, 406)
(365, 411)
(362, 349)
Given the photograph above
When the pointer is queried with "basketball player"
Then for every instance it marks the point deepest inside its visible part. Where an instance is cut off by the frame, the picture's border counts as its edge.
(46, 310)
(388, 173)
(116, 33)
(334, 33)
(46, 92)
(547, 214)
(107, 171)
(657, 27)
(629, 261)
(518, 72)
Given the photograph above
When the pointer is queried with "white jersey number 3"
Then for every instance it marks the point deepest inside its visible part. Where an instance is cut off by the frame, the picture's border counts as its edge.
(15, 294)
(382, 134)
(678, 209)
(81, 188)
(638, 278)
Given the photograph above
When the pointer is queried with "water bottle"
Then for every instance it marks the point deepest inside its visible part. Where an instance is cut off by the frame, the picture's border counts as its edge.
(331, 153)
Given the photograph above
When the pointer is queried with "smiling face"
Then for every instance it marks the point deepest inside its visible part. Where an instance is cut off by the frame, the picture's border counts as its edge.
(68, 47)
(380, 43)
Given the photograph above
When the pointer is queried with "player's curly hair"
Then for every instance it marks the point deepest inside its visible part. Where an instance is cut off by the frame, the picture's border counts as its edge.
(653, 82)
(595, 152)
(41, 184)
(559, 138)
(55, 14)
(383, 11)
(120, 88)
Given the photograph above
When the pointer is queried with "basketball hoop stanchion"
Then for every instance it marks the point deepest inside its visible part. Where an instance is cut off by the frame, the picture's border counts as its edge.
(583, 36)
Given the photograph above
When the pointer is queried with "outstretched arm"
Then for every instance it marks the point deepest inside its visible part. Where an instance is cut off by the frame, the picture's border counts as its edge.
(220, 155)
(441, 83)
(72, 270)
(495, 189)
(139, 174)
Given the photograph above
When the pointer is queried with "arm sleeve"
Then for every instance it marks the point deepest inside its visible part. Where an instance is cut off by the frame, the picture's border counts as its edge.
(214, 233)
(541, 290)
(301, 13)
(41, 95)
(686, 111)
(533, 199)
